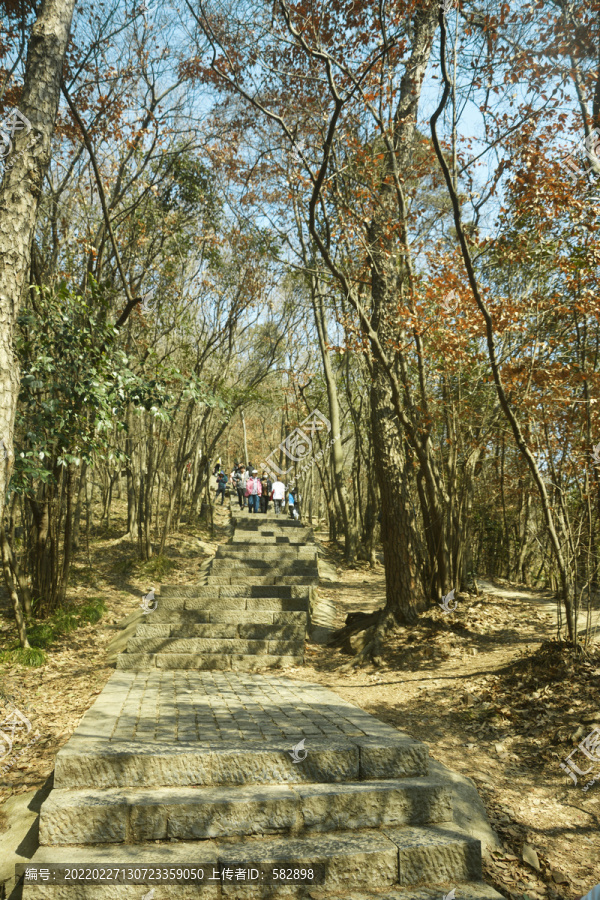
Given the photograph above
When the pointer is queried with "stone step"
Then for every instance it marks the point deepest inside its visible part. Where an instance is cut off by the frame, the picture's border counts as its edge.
(214, 645)
(241, 551)
(282, 528)
(87, 762)
(202, 662)
(133, 816)
(471, 890)
(262, 579)
(250, 630)
(391, 856)
(257, 617)
(285, 537)
(276, 524)
(246, 521)
(386, 859)
(188, 762)
(251, 529)
(287, 591)
(214, 604)
(264, 566)
(257, 540)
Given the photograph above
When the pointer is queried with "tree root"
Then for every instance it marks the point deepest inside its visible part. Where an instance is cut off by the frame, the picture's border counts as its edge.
(365, 651)
(355, 622)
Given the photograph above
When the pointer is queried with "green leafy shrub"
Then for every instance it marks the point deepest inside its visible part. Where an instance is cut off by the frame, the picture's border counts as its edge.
(40, 635)
(157, 566)
(64, 621)
(28, 656)
(92, 611)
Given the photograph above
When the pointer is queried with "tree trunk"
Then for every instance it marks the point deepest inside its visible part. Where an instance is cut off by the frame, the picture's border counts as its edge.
(132, 501)
(245, 437)
(562, 562)
(12, 588)
(337, 454)
(405, 595)
(199, 484)
(68, 538)
(78, 506)
(20, 192)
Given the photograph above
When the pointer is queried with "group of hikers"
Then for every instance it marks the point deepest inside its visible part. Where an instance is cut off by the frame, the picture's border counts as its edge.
(255, 493)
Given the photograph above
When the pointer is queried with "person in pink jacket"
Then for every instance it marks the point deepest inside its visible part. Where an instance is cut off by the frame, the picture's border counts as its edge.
(253, 491)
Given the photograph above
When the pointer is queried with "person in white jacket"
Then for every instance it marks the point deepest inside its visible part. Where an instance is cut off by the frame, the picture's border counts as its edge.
(278, 494)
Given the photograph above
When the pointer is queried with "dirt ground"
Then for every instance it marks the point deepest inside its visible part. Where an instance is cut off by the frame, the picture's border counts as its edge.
(487, 687)
(495, 696)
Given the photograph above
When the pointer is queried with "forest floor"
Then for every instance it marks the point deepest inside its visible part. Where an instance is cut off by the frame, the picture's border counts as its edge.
(495, 696)
(487, 687)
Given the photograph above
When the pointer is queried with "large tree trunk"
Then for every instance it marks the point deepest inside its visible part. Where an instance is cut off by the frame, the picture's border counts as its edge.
(405, 595)
(19, 196)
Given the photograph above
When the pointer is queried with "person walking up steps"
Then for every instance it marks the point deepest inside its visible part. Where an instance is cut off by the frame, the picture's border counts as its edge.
(221, 483)
(267, 487)
(240, 486)
(278, 495)
(291, 503)
(253, 492)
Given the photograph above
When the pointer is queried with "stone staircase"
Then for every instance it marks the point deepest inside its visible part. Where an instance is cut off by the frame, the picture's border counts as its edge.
(196, 769)
(251, 612)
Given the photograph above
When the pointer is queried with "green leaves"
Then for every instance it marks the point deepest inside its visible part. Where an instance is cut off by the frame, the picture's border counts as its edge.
(77, 382)
(71, 383)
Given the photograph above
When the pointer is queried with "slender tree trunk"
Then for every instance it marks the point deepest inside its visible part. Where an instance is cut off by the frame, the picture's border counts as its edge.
(68, 538)
(89, 500)
(79, 505)
(200, 476)
(132, 500)
(245, 437)
(523, 529)
(557, 541)
(12, 588)
(337, 455)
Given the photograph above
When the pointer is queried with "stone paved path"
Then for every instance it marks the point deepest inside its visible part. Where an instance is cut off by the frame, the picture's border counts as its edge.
(179, 763)
(211, 707)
